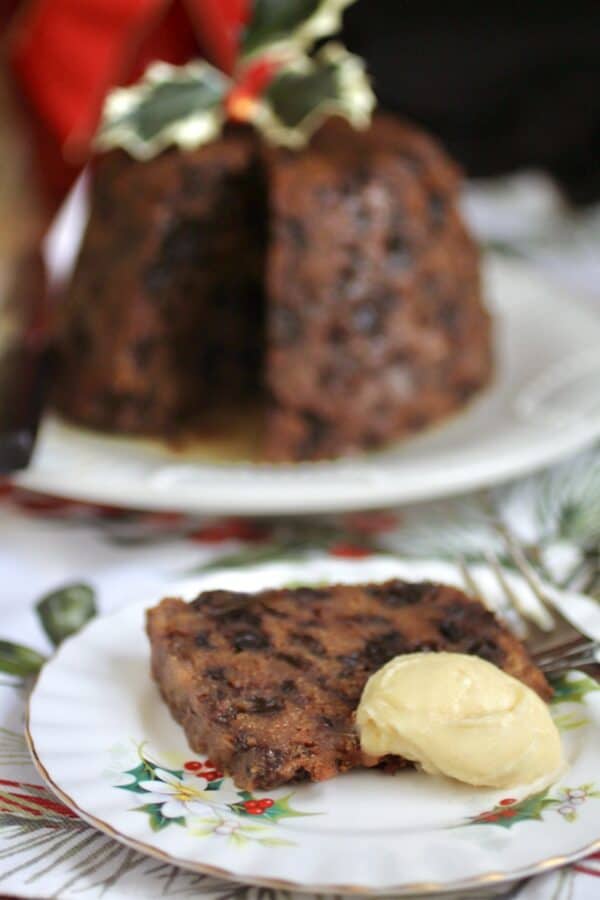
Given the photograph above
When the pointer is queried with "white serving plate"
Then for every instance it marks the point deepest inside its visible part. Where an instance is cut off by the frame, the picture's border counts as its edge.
(106, 744)
(543, 405)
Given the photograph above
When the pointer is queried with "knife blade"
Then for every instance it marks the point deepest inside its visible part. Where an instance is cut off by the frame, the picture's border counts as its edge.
(25, 363)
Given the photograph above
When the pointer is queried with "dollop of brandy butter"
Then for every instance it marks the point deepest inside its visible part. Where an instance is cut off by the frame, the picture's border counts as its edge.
(459, 716)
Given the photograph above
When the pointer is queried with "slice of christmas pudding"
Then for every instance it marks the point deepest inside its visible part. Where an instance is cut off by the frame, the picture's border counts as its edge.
(267, 684)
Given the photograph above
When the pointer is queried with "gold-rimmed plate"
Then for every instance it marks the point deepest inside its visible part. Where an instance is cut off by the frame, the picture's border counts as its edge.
(543, 404)
(104, 741)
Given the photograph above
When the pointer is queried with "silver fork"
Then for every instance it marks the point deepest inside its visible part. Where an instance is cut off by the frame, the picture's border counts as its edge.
(568, 647)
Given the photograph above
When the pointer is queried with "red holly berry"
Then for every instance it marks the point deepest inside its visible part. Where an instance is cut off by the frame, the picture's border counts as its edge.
(267, 802)
(193, 765)
(508, 801)
(210, 774)
(251, 83)
(349, 551)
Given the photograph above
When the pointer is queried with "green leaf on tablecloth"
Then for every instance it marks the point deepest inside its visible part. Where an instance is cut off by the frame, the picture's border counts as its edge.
(291, 26)
(15, 659)
(63, 612)
(572, 688)
(309, 90)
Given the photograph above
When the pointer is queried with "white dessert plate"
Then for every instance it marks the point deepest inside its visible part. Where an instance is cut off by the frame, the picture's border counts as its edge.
(104, 741)
(544, 403)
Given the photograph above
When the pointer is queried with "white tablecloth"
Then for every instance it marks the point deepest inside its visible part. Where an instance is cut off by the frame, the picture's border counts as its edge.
(45, 544)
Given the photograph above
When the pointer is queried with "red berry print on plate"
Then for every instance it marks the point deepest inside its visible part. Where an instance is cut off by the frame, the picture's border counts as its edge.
(206, 769)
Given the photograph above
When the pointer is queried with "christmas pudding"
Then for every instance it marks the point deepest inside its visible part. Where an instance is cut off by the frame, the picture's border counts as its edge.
(267, 684)
(261, 243)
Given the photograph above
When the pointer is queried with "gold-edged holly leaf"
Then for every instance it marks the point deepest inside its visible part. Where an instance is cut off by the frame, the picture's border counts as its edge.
(170, 105)
(308, 90)
(277, 27)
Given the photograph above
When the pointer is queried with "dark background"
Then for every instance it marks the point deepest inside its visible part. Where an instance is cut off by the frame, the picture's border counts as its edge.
(504, 85)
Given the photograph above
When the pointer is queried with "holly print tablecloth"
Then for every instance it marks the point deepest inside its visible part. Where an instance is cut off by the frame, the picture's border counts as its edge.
(62, 562)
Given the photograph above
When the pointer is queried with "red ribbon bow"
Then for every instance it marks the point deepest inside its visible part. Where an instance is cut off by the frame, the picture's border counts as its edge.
(67, 54)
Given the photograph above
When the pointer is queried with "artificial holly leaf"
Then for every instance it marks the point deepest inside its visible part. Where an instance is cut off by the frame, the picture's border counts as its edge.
(309, 90)
(276, 27)
(15, 659)
(65, 611)
(170, 105)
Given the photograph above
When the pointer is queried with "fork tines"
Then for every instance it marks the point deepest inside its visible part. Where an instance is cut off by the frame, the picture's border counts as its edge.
(583, 652)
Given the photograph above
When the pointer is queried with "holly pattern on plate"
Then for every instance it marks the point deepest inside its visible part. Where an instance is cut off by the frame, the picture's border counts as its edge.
(509, 811)
(198, 797)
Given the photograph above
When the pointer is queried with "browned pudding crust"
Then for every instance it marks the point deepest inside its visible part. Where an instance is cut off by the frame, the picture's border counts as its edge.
(233, 276)
(267, 684)
(376, 326)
